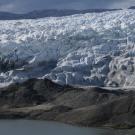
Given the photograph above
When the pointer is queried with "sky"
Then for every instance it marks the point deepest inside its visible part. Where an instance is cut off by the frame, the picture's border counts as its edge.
(22, 6)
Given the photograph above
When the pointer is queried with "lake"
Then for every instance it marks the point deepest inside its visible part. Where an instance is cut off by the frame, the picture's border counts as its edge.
(29, 127)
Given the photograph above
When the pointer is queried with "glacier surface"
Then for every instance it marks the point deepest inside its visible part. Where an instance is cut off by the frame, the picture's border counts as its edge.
(89, 49)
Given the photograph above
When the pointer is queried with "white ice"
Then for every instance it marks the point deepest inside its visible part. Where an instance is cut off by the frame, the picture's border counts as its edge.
(84, 49)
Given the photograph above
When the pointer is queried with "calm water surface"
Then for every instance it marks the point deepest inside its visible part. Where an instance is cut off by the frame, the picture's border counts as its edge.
(28, 127)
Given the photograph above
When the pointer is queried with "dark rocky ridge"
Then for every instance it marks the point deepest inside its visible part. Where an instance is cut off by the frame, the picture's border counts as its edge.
(48, 13)
(132, 7)
(45, 100)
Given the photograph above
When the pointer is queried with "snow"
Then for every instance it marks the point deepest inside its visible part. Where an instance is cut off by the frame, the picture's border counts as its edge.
(84, 49)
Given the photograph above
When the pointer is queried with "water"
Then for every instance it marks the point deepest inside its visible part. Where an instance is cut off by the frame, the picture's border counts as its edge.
(24, 127)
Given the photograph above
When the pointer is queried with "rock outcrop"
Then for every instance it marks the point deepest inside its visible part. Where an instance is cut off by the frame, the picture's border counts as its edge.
(45, 100)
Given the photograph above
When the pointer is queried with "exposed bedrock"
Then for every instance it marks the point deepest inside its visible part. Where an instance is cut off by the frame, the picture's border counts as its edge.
(45, 100)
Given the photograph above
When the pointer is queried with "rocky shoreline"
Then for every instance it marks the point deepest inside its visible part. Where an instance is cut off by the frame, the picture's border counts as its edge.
(91, 107)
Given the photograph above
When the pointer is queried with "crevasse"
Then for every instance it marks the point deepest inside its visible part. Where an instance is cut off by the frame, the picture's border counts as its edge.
(90, 49)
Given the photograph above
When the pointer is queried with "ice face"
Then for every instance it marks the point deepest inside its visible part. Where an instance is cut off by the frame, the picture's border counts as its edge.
(90, 49)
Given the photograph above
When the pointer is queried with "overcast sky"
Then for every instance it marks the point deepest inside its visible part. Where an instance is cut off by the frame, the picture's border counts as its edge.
(29, 5)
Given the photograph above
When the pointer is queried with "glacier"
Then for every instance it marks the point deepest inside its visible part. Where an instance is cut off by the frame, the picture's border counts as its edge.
(96, 49)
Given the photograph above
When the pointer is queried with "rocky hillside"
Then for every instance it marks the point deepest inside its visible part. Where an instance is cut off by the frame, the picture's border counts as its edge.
(45, 100)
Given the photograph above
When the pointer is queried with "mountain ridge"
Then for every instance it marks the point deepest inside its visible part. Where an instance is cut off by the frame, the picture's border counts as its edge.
(36, 14)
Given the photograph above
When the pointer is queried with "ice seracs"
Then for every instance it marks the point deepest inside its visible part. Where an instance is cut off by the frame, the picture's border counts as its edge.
(89, 49)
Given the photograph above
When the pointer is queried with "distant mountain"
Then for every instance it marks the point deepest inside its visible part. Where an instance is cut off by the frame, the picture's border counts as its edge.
(132, 7)
(48, 13)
